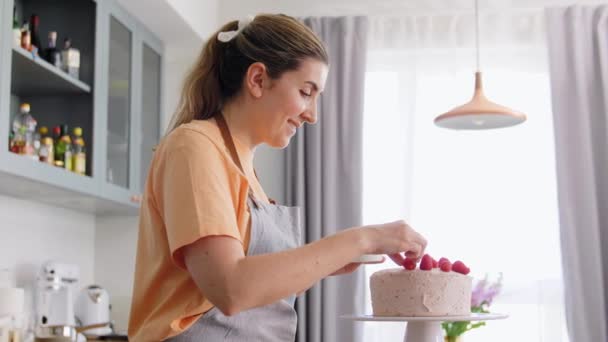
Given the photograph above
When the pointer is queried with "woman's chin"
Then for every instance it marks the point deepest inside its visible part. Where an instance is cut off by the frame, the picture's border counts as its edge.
(280, 142)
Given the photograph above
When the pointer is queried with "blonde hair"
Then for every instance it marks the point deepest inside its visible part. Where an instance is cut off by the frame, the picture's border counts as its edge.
(278, 41)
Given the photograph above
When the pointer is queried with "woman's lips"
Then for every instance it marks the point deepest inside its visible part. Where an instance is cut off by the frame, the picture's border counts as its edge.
(293, 126)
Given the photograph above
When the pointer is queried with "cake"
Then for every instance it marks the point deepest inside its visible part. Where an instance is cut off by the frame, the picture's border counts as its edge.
(435, 289)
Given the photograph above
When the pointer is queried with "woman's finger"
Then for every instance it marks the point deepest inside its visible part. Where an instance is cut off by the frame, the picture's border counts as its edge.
(415, 252)
(397, 258)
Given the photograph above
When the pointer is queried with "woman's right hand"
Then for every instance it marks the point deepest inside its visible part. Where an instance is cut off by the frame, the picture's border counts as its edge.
(393, 239)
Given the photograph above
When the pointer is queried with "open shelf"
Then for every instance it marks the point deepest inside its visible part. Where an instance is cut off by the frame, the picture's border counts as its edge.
(24, 178)
(32, 75)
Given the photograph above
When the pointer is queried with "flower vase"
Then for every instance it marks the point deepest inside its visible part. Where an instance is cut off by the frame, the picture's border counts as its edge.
(453, 339)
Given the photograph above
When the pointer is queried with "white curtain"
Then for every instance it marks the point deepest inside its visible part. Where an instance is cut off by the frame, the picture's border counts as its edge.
(578, 46)
(485, 197)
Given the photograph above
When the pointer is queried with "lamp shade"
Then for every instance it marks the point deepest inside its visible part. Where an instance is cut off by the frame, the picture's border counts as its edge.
(479, 113)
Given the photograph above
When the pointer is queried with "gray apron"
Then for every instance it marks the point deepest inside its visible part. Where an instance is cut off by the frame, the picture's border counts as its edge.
(274, 228)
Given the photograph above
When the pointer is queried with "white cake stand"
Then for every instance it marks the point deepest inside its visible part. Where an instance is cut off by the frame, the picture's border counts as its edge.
(426, 329)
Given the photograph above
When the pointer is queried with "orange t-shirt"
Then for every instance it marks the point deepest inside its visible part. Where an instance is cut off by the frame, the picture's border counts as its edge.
(193, 190)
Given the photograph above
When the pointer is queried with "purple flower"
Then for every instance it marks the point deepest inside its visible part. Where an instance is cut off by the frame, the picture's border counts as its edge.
(483, 294)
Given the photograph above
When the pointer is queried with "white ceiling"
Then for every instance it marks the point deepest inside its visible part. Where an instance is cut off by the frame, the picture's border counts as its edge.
(230, 9)
(165, 19)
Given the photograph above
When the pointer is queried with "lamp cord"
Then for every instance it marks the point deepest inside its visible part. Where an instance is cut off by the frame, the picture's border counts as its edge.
(477, 32)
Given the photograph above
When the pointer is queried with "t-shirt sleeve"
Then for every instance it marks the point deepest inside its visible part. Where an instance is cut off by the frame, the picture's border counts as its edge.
(196, 196)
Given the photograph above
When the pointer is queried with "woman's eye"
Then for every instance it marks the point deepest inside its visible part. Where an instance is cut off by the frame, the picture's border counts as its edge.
(305, 94)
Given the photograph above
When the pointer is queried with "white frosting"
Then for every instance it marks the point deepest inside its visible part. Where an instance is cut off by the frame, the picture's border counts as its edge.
(399, 292)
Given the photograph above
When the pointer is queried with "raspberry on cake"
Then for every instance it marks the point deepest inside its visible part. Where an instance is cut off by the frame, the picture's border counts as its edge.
(460, 267)
(409, 264)
(423, 292)
(445, 266)
(426, 263)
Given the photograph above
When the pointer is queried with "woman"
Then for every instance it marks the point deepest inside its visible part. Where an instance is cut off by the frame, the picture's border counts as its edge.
(216, 259)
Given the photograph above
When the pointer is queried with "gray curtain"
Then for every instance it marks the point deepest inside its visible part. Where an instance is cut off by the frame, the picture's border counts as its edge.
(578, 53)
(324, 176)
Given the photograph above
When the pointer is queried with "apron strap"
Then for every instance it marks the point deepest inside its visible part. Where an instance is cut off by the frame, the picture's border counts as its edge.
(229, 141)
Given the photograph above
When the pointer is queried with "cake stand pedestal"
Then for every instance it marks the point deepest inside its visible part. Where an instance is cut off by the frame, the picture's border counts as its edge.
(426, 329)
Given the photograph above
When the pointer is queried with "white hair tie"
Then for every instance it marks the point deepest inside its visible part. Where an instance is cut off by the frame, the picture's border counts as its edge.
(227, 36)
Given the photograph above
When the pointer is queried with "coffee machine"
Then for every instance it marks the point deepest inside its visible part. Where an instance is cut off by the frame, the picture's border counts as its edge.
(54, 294)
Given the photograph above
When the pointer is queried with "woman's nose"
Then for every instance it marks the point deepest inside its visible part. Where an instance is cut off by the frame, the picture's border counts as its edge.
(310, 115)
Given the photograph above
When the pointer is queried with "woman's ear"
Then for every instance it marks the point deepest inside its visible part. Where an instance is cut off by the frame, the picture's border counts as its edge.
(255, 79)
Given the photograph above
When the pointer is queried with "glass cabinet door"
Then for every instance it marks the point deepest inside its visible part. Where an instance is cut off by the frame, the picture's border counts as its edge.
(150, 108)
(119, 104)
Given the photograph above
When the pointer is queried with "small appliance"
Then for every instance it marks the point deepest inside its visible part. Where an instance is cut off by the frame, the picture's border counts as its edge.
(54, 294)
(92, 308)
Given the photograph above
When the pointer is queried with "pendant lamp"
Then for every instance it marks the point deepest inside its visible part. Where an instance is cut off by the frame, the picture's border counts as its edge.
(479, 113)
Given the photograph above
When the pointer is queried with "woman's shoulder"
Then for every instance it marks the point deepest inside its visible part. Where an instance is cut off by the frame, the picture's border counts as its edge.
(195, 144)
(200, 135)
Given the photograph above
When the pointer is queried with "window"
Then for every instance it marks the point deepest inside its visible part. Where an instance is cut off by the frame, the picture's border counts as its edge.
(488, 198)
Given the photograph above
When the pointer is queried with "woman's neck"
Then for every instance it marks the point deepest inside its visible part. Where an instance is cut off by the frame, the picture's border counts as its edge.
(241, 125)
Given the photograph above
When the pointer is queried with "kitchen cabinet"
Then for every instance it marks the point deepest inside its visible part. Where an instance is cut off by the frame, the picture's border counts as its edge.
(115, 99)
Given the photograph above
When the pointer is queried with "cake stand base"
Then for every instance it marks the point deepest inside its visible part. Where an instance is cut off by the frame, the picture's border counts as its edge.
(426, 329)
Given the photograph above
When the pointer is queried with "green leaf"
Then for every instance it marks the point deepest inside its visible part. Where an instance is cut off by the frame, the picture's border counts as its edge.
(461, 328)
(477, 325)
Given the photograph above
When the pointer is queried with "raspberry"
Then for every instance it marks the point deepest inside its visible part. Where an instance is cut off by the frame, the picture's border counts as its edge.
(409, 264)
(435, 263)
(445, 266)
(426, 264)
(442, 260)
(460, 267)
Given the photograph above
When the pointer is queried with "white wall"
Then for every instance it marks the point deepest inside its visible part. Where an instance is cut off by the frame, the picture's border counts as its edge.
(178, 60)
(202, 16)
(32, 233)
(116, 242)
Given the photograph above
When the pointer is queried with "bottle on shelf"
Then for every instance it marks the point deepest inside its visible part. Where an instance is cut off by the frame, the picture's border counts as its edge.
(35, 34)
(11, 141)
(63, 149)
(79, 152)
(24, 127)
(16, 28)
(46, 154)
(70, 58)
(36, 144)
(56, 134)
(43, 131)
(23, 145)
(29, 145)
(26, 38)
(51, 53)
(56, 138)
(17, 143)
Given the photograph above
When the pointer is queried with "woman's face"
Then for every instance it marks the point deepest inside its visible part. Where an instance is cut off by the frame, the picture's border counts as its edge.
(290, 101)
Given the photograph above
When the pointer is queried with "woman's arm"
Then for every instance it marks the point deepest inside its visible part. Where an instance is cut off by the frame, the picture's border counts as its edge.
(234, 282)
